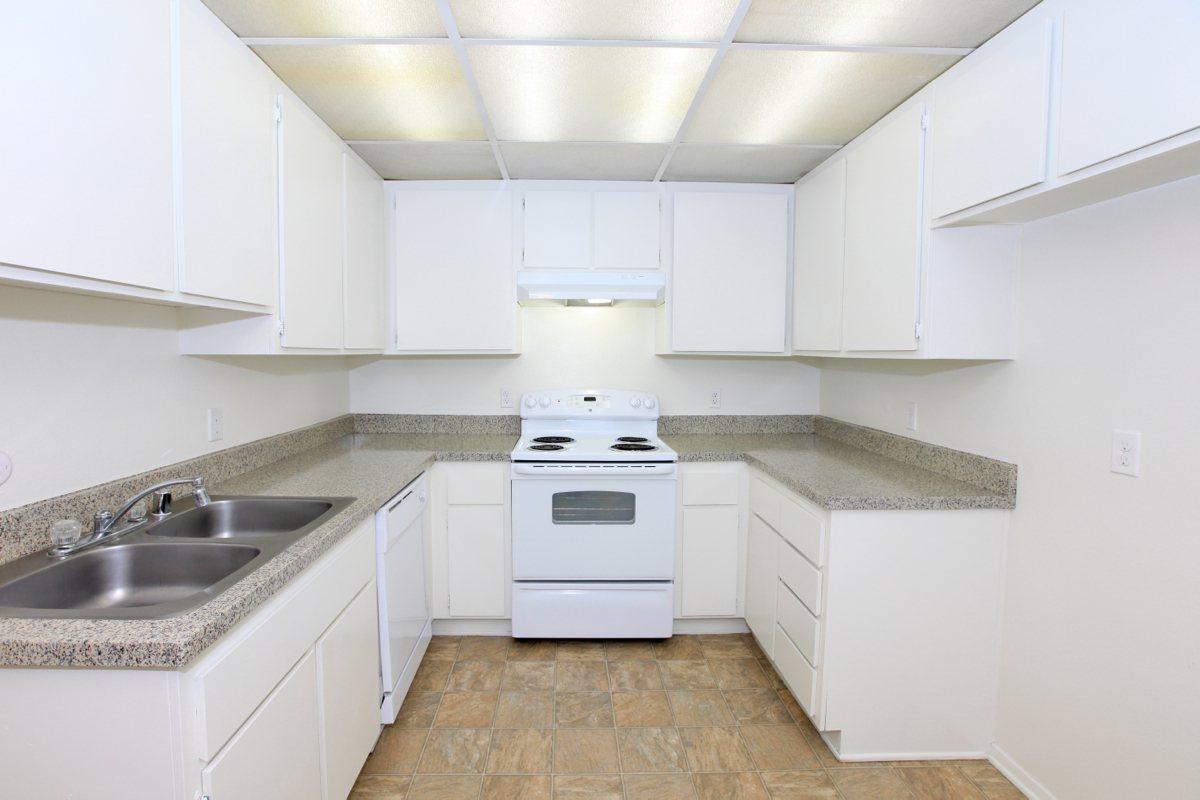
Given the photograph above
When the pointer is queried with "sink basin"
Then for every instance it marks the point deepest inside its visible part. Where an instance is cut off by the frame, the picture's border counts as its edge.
(242, 517)
(121, 576)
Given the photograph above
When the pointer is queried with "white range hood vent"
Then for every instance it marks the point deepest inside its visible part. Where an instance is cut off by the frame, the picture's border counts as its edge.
(594, 287)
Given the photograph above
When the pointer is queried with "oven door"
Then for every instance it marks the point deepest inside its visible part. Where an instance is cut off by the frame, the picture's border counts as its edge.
(584, 527)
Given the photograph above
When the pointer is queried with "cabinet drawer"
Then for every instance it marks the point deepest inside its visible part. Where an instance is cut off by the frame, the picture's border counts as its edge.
(475, 485)
(801, 577)
(709, 488)
(798, 623)
(765, 501)
(802, 529)
(799, 675)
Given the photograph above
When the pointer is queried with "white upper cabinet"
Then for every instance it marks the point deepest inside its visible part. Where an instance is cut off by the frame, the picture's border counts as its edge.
(990, 136)
(1130, 77)
(227, 134)
(558, 229)
(365, 257)
(626, 230)
(86, 141)
(311, 221)
(454, 281)
(820, 257)
(730, 272)
(883, 235)
(590, 228)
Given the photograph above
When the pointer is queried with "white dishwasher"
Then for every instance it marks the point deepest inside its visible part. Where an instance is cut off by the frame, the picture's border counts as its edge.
(404, 624)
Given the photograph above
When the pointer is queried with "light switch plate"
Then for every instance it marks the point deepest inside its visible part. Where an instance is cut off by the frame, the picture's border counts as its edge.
(216, 424)
(1127, 452)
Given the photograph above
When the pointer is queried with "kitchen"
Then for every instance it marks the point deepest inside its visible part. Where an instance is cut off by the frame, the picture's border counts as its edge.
(832, 300)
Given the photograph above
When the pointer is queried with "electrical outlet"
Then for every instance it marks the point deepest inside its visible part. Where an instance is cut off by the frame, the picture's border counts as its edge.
(5, 467)
(506, 398)
(1127, 453)
(714, 398)
(911, 420)
(216, 424)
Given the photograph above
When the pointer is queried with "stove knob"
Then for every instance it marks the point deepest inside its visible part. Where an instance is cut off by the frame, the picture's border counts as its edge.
(530, 401)
(544, 401)
(649, 402)
(635, 401)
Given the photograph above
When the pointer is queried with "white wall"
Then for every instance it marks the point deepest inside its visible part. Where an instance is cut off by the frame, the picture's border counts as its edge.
(611, 348)
(1100, 669)
(94, 389)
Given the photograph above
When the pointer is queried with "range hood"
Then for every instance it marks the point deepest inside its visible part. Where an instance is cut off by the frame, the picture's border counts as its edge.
(588, 286)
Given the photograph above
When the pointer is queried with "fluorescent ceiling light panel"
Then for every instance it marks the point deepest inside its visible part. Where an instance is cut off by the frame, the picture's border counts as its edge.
(427, 161)
(582, 161)
(912, 23)
(664, 20)
(609, 94)
(801, 97)
(381, 91)
(296, 18)
(743, 164)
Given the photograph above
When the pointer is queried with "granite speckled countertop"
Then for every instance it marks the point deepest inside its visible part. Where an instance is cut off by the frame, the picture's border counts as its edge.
(372, 467)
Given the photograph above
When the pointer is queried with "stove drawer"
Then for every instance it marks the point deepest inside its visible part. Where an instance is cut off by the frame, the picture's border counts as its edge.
(592, 610)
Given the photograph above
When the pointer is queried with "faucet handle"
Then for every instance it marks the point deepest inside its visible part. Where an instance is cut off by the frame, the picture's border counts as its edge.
(102, 521)
(65, 533)
(162, 504)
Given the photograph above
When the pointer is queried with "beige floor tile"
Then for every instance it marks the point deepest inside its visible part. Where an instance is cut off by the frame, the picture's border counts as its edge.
(588, 787)
(629, 650)
(729, 786)
(582, 676)
(455, 750)
(431, 676)
(466, 710)
(687, 675)
(725, 646)
(475, 676)
(752, 643)
(738, 673)
(678, 648)
(699, 707)
(532, 650)
(581, 651)
(583, 710)
(442, 647)
(444, 787)
(396, 751)
(757, 707)
(380, 787)
(871, 784)
(659, 787)
(524, 676)
(527, 751)
(939, 783)
(418, 710)
(824, 754)
(642, 710)
(773, 678)
(516, 787)
(585, 752)
(991, 782)
(778, 747)
(483, 648)
(634, 675)
(792, 706)
(715, 750)
(813, 784)
(525, 710)
(651, 750)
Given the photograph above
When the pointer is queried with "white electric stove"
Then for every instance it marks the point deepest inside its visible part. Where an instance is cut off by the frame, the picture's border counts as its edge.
(593, 517)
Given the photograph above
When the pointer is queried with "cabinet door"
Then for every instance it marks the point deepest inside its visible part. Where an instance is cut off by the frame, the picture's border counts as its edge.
(883, 236)
(990, 123)
(86, 141)
(311, 216)
(227, 133)
(1130, 73)
(729, 282)
(348, 667)
(277, 754)
(761, 582)
(626, 230)
(364, 270)
(709, 567)
(558, 229)
(476, 556)
(820, 258)
(454, 281)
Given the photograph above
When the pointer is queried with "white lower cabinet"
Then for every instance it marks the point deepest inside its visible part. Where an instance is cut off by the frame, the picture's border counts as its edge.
(761, 549)
(471, 551)
(711, 540)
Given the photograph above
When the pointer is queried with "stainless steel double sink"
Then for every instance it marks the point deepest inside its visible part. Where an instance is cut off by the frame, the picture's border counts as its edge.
(167, 567)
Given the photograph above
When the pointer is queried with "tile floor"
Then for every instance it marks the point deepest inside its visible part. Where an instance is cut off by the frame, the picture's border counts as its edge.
(700, 717)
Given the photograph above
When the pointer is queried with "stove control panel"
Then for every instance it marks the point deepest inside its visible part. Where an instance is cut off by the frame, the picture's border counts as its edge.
(581, 404)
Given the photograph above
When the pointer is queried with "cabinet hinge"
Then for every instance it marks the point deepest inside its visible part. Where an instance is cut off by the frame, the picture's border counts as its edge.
(278, 112)
(917, 331)
(925, 119)
(280, 329)
(522, 202)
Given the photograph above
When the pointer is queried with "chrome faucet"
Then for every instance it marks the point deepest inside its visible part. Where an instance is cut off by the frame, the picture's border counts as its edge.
(105, 521)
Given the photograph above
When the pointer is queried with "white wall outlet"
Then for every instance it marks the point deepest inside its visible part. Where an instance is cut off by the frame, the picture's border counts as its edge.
(506, 398)
(216, 424)
(1127, 452)
(910, 420)
(714, 398)
(5, 467)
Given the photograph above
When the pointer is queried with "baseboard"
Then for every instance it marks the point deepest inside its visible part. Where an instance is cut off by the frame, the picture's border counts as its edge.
(503, 627)
(1019, 776)
(710, 625)
(938, 756)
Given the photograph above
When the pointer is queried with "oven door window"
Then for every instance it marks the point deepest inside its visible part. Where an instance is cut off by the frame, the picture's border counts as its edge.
(593, 508)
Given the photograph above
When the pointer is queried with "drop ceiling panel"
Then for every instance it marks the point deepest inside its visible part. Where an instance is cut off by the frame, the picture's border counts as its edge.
(789, 97)
(743, 164)
(427, 161)
(610, 94)
(329, 17)
(916, 23)
(381, 91)
(582, 161)
(674, 20)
